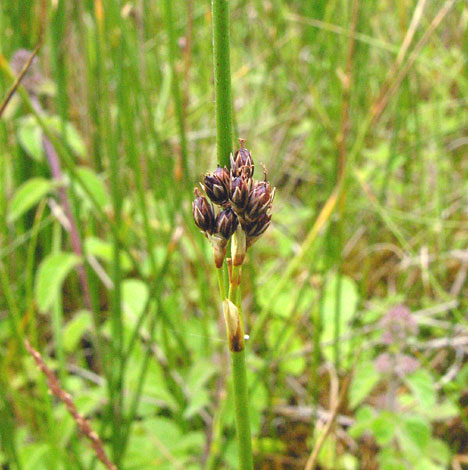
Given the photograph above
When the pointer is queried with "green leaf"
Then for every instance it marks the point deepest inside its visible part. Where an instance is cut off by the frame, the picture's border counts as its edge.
(27, 196)
(75, 329)
(50, 276)
(364, 380)
(422, 386)
(383, 427)
(135, 294)
(96, 187)
(389, 461)
(364, 418)
(29, 137)
(414, 437)
(73, 138)
(418, 430)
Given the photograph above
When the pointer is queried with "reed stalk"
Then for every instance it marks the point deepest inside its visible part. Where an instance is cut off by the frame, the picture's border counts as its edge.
(223, 110)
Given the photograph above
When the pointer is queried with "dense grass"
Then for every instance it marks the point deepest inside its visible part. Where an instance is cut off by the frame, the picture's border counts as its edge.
(358, 110)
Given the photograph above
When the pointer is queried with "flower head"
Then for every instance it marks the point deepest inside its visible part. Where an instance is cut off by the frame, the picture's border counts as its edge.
(226, 223)
(203, 213)
(242, 163)
(244, 211)
(217, 185)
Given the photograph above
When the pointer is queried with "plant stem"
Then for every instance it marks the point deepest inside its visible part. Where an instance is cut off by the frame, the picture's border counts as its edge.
(178, 102)
(241, 404)
(239, 379)
(222, 77)
(222, 291)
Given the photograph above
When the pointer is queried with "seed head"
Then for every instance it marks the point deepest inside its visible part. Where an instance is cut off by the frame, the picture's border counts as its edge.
(239, 193)
(254, 230)
(260, 200)
(217, 184)
(226, 223)
(242, 163)
(203, 213)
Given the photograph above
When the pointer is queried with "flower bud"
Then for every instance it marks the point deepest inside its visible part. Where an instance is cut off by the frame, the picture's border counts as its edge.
(217, 185)
(254, 230)
(260, 200)
(239, 194)
(242, 163)
(203, 213)
(226, 223)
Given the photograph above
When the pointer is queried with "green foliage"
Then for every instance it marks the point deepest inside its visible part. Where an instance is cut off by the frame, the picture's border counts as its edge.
(50, 276)
(27, 196)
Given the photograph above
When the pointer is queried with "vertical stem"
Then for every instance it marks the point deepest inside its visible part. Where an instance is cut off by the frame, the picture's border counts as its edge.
(222, 78)
(183, 175)
(239, 380)
(241, 404)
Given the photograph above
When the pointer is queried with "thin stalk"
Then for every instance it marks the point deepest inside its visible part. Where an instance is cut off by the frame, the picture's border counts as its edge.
(222, 77)
(241, 404)
(178, 102)
(240, 388)
(223, 109)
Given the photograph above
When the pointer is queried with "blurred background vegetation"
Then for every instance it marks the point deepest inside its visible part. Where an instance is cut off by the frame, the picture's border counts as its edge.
(358, 108)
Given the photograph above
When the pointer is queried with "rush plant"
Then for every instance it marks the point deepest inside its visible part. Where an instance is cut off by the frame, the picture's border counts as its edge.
(242, 215)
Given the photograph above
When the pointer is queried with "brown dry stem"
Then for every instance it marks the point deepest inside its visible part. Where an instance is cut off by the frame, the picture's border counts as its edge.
(83, 424)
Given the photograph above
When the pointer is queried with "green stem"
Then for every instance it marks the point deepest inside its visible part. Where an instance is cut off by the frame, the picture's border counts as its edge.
(222, 76)
(179, 105)
(241, 404)
(239, 380)
(222, 291)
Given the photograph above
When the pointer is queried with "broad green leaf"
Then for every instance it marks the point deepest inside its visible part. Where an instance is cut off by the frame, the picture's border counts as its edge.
(418, 430)
(384, 427)
(364, 418)
(30, 137)
(422, 386)
(442, 411)
(414, 436)
(75, 329)
(33, 456)
(50, 276)
(364, 380)
(96, 187)
(27, 196)
(388, 460)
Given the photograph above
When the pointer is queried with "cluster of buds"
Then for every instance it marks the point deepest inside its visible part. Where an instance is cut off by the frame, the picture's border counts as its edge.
(243, 206)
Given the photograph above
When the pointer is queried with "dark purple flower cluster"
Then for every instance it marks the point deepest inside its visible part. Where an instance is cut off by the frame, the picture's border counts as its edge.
(241, 201)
